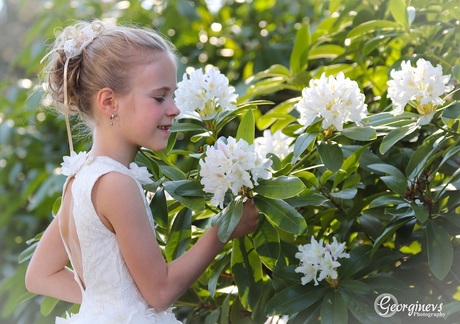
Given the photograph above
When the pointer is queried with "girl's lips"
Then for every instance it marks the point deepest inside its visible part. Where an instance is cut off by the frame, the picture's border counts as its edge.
(165, 127)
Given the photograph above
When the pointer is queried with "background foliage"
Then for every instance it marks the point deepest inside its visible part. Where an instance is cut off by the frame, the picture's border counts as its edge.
(363, 193)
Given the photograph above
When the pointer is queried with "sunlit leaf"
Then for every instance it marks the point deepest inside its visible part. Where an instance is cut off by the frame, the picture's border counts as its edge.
(247, 271)
(246, 128)
(280, 188)
(299, 55)
(281, 214)
(180, 235)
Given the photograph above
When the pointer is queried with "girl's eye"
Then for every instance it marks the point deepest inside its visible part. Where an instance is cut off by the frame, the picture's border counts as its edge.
(159, 99)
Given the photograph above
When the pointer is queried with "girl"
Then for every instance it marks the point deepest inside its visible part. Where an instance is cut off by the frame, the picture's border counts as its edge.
(121, 80)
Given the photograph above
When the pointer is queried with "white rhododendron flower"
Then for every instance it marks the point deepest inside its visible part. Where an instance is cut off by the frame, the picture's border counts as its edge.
(419, 86)
(277, 144)
(231, 165)
(335, 100)
(318, 261)
(203, 94)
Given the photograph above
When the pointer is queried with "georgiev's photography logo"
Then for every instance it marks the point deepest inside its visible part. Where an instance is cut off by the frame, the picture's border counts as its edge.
(387, 305)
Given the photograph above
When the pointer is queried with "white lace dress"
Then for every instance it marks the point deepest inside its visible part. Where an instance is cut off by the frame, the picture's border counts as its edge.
(111, 295)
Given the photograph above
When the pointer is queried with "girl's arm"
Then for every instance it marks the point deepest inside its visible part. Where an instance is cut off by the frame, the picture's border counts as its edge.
(47, 273)
(116, 198)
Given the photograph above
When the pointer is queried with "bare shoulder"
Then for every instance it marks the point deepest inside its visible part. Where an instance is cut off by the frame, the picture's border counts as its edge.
(117, 199)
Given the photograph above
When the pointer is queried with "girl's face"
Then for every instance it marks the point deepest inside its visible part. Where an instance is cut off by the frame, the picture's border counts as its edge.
(146, 113)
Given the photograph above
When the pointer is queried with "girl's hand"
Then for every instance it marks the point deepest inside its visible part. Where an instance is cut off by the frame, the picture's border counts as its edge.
(248, 221)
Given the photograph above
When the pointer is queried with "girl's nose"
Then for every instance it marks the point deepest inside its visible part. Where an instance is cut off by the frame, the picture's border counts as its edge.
(174, 110)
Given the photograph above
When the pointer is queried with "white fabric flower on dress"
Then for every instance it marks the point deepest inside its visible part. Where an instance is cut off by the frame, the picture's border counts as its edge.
(277, 144)
(73, 163)
(335, 100)
(231, 165)
(421, 86)
(140, 173)
(203, 94)
(318, 261)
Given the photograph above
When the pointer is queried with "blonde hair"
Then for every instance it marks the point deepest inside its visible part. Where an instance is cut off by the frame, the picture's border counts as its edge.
(106, 61)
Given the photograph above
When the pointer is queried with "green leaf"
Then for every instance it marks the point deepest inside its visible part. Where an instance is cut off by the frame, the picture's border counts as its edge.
(386, 200)
(395, 136)
(48, 304)
(294, 299)
(247, 271)
(228, 218)
(451, 308)
(299, 55)
(360, 307)
(453, 111)
(456, 72)
(246, 129)
(187, 127)
(281, 214)
(325, 51)
(373, 26)
(452, 218)
(216, 269)
(194, 203)
(396, 184)
(189, 188)
(440, 251)
(276, 70)
(27, 253)
(398, 9)
(180, 235)
(418, 160)
(360, 133)
(302, 143)
(420, 212)
(389, 230)
(159, 208)
(358, 260)
(451, 152)
(334, 309)
(355, 286)
(388, 169)
(280, 188)
(331, 155)
(267, 243)
(348, 193)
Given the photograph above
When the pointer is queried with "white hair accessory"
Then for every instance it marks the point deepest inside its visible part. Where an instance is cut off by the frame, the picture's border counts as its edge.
(76, 40)
(79, 40)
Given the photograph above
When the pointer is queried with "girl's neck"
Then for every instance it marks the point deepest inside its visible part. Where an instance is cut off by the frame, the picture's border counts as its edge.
(117, 151)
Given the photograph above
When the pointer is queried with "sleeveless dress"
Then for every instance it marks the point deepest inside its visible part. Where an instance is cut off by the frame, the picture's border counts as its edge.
(111, 295)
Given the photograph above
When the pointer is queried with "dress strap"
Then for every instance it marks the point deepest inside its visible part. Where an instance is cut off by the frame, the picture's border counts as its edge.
(66, 247)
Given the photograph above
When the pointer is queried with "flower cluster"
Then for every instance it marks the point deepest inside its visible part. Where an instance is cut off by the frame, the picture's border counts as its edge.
(203, 94)
(335, 100)
(277, 144)
(231, 165)
(419, 86)
(318, 262)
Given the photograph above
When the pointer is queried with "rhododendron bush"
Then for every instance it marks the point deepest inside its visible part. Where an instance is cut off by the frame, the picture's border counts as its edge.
(349, 147)
(355, 172)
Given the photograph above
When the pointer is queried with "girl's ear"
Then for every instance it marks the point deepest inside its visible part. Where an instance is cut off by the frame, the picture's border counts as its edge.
(105, 101)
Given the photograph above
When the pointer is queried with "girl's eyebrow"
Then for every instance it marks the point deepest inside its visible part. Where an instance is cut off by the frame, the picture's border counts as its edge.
(165, 88)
